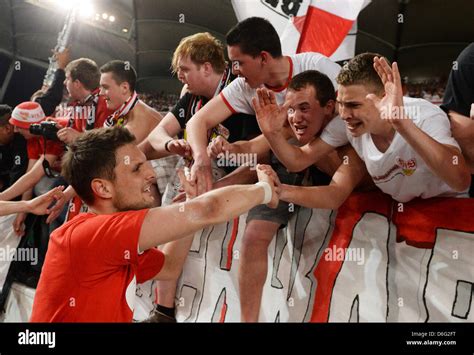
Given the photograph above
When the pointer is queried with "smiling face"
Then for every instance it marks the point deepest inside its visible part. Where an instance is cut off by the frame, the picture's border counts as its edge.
(244, 65)
(305, 114)
(133, 179)
(359, 113)
(115, 94)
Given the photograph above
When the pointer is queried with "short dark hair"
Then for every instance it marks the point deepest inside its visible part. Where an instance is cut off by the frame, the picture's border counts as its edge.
(360, 71)
(121, 72)
(320, 82)
(5, 114)
(253, 35)
(92, 156)
(86, 71)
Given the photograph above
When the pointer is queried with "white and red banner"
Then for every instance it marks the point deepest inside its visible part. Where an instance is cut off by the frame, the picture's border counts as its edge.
(325, 26)
(373, 260)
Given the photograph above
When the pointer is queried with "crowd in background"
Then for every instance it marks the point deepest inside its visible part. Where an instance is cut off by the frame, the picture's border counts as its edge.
(160, 101)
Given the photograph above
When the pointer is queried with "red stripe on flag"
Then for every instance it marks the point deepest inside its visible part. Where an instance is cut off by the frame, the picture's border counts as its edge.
(298, 22)
(348, 215)
(235, 230)
(416, 224)
(223, 311)
(323, 32)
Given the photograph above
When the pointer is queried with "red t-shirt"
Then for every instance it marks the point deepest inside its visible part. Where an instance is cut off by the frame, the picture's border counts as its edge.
(101, 114)
(35, 149)
(91, 269)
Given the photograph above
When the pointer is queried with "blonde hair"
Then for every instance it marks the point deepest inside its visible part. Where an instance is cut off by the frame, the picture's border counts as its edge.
(201, 48)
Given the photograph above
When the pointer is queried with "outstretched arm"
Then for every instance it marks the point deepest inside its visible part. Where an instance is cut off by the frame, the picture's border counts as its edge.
(34, 173)
(345, 179)
(213, 207)
(39, 205)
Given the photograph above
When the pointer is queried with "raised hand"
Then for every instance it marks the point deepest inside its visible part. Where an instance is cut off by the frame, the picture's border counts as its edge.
(271, 117)
(62, 58)
(391, 105)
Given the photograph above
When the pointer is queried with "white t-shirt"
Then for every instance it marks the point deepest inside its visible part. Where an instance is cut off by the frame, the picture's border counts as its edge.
(400, 171)
(238, 94)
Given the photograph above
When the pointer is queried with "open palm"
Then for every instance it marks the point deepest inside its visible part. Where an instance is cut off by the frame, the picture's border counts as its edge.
(391, 105)
(271, 117)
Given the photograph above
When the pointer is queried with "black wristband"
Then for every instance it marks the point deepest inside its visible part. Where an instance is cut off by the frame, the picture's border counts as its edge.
(166, 145)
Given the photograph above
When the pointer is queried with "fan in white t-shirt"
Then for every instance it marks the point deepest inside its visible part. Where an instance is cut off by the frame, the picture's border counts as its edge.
(399, 170)
(254, 48)
(406, 144)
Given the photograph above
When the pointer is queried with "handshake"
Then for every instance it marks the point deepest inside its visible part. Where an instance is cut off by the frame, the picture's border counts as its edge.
(267, 178)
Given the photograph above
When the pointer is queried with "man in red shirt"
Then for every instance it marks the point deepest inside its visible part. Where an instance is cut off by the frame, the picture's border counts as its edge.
(94, 261)
(39, 150)
(89, 109)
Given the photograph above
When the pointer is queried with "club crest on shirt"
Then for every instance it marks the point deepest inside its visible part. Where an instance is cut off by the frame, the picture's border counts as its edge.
(408, 167)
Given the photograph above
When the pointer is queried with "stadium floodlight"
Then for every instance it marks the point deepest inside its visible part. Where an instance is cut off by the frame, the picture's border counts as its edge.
(67, 4)
(90, 12)
(86, 10)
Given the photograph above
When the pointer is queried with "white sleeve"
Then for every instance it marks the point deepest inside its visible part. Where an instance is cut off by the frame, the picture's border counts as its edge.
(237, 96)
(436, 124)
(335, 133)
(326, 66)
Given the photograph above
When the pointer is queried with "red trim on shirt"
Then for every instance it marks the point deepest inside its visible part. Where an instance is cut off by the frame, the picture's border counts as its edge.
(227, 103)
(290, 76)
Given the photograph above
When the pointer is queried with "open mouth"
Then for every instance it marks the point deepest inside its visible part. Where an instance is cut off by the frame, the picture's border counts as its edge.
(147, 189)
(299, 129)
(353, 125)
